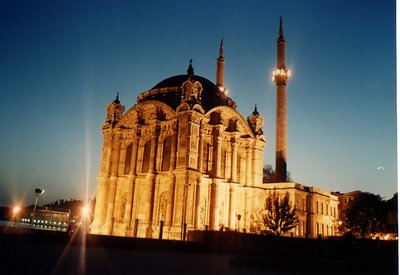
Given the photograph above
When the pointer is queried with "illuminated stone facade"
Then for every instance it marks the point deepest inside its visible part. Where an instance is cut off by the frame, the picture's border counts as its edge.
(183, 158)
(182, 155)
(316, 209)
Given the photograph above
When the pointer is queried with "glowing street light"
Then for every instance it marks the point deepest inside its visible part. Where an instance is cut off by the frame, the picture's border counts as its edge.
(15, 211)
(238, 222)
(85, 210)
(37, 192)
(85, 216)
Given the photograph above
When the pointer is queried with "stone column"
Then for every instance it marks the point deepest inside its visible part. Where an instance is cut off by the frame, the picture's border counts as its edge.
(248, 166)
(232, 207)
(214, 205)
(197, 205)
(217, 152)
(113, 183)
(131, 184)
(101, 207)
(234, 162)
(171, 188)
(122, 159)
(200, 161)
(151, 182)
(228, 163)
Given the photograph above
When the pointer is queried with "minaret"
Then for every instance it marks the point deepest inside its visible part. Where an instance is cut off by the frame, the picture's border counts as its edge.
(280, 77)
(220, 67)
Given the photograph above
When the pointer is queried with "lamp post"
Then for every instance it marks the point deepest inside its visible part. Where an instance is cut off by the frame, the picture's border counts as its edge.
(37, 192)
(85, 217)
(238, 222)
(16, 210)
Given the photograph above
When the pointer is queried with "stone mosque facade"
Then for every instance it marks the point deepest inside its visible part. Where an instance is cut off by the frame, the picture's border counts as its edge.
(183, 158)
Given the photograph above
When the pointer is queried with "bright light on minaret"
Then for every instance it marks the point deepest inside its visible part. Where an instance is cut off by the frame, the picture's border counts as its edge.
(281, 76)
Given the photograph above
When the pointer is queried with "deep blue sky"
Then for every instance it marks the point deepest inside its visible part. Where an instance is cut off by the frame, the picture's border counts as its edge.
(61, 62)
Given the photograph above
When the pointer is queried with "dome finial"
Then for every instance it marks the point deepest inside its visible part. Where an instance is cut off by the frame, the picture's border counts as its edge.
(116, 100)
(255, 112)
(190, 70)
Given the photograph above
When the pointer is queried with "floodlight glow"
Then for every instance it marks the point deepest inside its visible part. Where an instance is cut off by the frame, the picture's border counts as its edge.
(16, 210)
(85, 210)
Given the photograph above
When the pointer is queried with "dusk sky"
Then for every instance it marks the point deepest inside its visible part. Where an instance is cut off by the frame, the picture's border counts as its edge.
(62, 62)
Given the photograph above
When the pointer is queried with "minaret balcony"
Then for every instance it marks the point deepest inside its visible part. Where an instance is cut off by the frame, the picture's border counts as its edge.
(280, 76)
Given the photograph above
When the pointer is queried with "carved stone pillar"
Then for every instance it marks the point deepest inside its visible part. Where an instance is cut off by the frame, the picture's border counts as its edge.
(101, 207)
(200, 161)
(113, 184)
(131, 184)
(217, 152)
(171, 187)
(151, 182)
(110, 204)
(122, 159)
(115, 157)
(234, 162)
(214, 205)
(232, 207)
(135, 149)
(248, 166)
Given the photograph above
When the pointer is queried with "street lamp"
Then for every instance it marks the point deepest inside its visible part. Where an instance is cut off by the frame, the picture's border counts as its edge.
(85, 210)
(85, 217)
(16, 210)
(238, 222)
(37, 192)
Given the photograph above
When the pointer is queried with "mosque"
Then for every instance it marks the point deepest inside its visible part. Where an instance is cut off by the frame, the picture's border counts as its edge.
(183, 158)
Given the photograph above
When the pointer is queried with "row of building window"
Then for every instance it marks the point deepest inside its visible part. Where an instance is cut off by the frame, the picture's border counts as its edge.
(206, 165)
(324, 230)
(320, 209)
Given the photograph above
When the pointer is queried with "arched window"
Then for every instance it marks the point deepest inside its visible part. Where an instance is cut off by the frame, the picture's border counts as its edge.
(128, 159)
(146, 156)
(166, 154)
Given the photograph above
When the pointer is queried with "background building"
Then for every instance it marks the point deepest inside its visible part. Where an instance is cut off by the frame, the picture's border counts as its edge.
(316, 209)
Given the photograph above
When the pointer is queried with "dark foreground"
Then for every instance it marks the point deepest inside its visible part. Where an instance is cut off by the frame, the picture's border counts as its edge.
(27, 252)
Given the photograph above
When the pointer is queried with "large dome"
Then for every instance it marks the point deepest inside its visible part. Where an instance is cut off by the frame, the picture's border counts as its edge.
(169, 91)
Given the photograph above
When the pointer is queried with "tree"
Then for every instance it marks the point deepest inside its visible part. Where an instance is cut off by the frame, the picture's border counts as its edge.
(365, 215)
(269, 174)
(278, 215)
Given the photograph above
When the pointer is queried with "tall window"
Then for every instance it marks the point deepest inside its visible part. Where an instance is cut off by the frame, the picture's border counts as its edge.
(128, 159)
(239, 160)
(206, 149)
(166, 156)
(223, 162)
(146, 156)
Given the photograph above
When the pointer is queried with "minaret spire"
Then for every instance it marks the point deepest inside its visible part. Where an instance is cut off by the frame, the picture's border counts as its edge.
(221, 49)
(281, 29)
(280, 77)
(220, 67)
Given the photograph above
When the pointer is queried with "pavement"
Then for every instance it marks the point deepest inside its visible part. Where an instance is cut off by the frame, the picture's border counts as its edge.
(23, 251)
